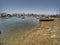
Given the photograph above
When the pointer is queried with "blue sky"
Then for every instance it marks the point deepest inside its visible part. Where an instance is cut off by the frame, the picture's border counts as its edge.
(30, 6)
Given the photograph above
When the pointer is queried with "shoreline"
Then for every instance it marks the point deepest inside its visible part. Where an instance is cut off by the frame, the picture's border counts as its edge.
(43, 34)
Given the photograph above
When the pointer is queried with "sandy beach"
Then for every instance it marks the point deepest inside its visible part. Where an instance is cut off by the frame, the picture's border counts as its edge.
(46, 34)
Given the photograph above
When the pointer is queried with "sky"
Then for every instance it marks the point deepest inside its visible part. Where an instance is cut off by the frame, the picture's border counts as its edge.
(30, 6)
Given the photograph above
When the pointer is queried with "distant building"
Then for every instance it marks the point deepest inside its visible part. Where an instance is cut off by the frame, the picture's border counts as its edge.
(3, 14)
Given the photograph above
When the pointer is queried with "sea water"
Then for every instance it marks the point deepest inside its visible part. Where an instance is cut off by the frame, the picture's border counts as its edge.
(12, 26)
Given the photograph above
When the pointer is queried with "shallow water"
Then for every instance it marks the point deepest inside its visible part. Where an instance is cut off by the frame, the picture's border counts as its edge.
(16, 25)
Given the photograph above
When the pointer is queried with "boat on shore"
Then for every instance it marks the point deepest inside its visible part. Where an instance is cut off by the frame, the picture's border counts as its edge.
(46, 19)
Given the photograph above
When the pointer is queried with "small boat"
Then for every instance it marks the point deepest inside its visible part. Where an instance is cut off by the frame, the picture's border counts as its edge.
(47, 19)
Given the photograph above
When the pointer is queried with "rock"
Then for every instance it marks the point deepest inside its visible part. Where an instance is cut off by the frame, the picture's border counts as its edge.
(0, 32)
(53, 36)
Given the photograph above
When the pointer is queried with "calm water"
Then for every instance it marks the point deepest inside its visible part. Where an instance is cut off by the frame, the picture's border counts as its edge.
(12, 25)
